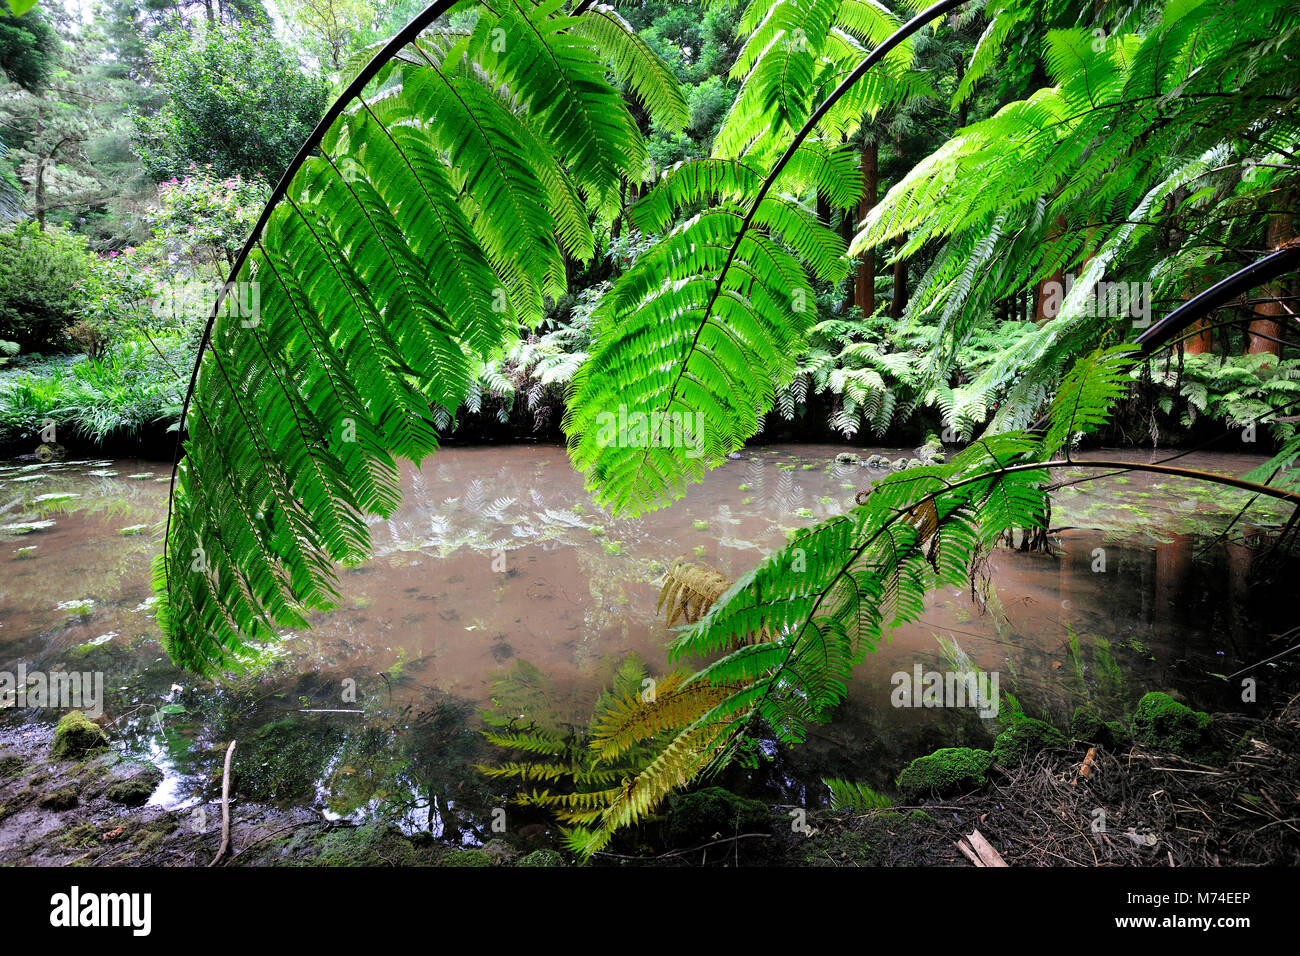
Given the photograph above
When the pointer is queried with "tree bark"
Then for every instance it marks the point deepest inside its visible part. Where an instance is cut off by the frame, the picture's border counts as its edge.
(1058, 277)
(864, 287)
(899, 302)
(1201, 343)
(1270, 324)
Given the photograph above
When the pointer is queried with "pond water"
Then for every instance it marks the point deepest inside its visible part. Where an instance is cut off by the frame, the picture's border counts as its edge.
(500, 585)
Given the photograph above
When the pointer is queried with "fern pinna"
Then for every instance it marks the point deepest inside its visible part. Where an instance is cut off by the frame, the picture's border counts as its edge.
(425, 220)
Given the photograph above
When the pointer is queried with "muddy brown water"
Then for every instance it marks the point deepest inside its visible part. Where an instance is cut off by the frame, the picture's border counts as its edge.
(499, 565)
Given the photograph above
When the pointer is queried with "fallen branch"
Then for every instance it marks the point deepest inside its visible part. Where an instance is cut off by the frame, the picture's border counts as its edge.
(225, 807)
(979, 851)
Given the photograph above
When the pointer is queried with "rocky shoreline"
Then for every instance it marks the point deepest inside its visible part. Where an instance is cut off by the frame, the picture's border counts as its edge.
(68, 799)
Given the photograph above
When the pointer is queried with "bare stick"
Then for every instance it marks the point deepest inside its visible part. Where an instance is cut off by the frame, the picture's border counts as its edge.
(225, 807)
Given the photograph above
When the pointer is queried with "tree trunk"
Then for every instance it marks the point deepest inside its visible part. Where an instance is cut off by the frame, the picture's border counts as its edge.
(1041, 296)
(40, 195)
(1201, 343)
(864, 288)
(899, 302)
(1279, 231)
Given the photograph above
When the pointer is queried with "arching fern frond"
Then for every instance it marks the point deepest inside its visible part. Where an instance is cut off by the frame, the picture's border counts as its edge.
(426, 217)
(836, 591)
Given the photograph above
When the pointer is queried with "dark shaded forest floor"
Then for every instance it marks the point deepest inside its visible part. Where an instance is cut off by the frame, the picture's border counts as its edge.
(1133, 807)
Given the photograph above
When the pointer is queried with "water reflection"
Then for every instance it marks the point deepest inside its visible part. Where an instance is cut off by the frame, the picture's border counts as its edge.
(498, 555)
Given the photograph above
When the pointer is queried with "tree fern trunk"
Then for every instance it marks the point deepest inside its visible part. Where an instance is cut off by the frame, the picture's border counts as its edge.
(899, 303)
(864, 288)
(1058, 277)
(1279, 232)
(1202, 342)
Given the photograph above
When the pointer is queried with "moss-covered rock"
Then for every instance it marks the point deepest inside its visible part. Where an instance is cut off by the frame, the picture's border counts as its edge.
(1024, 737)
(1086, 726)
(77, 735)
(136, 790)
(466, 858)
(372, 845)
(696, 817)
(10, 765)
(64, 798)
(542, 858)
(1163, 723)
(500, 852)
(950, 770)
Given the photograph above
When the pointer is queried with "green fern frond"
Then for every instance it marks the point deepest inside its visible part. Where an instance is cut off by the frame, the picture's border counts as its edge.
(847, 795)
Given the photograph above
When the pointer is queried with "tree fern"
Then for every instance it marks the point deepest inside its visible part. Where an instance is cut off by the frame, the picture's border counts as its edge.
(1081, 176)
(834, 593)
(722, 295)
(429, 214)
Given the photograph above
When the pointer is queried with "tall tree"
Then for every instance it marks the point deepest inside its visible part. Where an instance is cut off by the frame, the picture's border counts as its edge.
(236, 99)
(330, 29)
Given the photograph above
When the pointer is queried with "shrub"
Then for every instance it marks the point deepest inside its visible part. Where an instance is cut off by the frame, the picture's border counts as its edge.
(134, 385)
(42, 280)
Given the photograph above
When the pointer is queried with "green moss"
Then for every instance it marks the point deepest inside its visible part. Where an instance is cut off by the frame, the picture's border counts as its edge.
(466, 858)
(10, 765)
(542, 858)
(950, 770)
(843, 849)
(372, 845)
(1023, 738)
(597, 531)
(1163, 723)
(78, 735)
(63, 799)
(700, 524)
(1087, 726)
(136, 791)
(80, 837)
(612, 547)
(695, 817)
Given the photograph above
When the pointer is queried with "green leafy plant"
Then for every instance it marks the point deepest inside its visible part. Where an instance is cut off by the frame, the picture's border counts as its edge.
(427, 219)
(41, 276)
